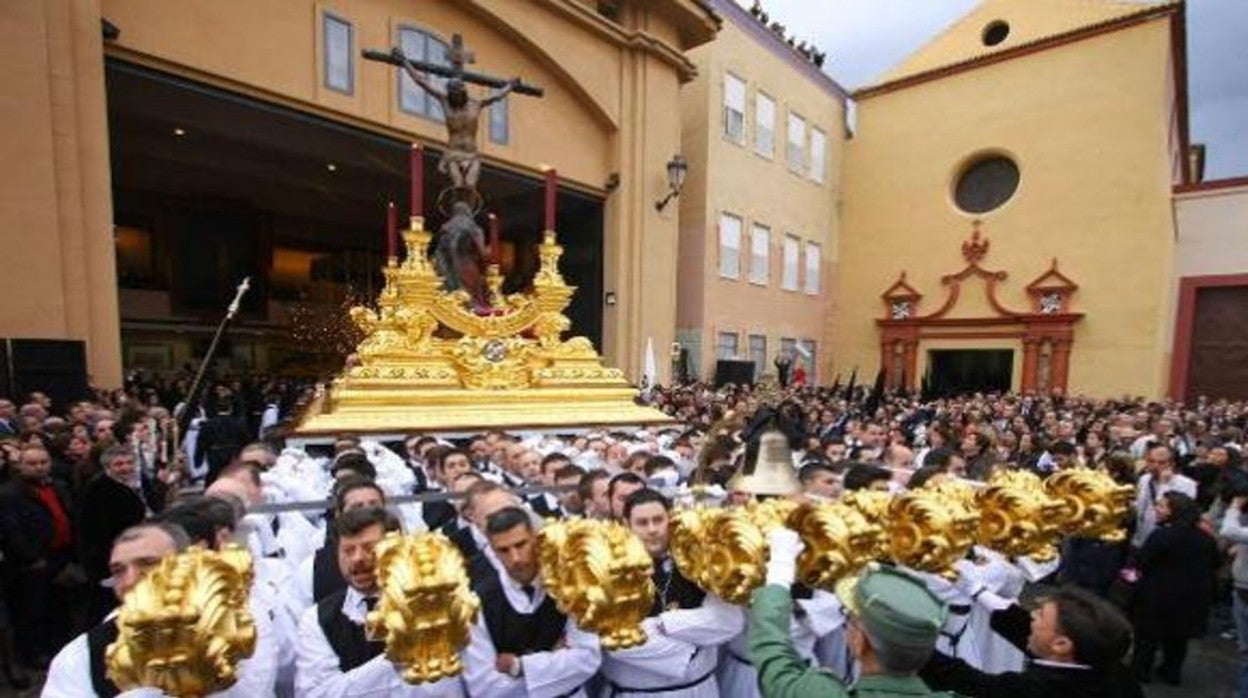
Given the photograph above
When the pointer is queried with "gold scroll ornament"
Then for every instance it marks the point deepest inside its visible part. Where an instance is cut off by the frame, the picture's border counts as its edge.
(1093, 505)
(1018, 517)
(599, 574)
(725, 551)
(425, 609)
(186, 625)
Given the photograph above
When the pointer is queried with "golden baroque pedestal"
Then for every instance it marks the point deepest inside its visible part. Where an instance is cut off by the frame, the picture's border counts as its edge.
(430, 361)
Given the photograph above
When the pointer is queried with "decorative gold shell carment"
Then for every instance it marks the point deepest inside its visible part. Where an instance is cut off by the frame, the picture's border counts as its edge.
(185, 626)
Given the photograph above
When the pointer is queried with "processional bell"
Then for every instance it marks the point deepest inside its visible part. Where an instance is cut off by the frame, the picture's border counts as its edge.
(772, 473)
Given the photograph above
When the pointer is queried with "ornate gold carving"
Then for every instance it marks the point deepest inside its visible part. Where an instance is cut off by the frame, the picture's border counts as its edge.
(839, 540)
(599, 573)
(185, 627)
(425, 609)
(1018, 517)
(930, 529)
(434, 359)
(1092, 504)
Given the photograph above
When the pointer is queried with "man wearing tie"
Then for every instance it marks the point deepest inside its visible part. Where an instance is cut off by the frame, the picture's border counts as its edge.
(335, 657)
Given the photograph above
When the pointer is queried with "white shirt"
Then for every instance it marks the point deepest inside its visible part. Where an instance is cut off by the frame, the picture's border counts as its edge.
(319, 674)
(546, 674)
(69, 675)
(1146, 502)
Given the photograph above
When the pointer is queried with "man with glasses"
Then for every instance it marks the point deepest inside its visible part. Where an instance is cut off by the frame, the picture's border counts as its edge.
(1160, 476)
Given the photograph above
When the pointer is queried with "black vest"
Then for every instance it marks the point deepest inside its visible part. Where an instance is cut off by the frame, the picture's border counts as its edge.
(672, 590)
(327, 578)
(347, 639)
(98, 640)
(437, 514)
(514, 632)
(462, 538)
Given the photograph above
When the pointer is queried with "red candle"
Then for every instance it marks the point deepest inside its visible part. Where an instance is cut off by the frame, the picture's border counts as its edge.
(392, 231)
(418, 179)
(495, 251)
(552, 184)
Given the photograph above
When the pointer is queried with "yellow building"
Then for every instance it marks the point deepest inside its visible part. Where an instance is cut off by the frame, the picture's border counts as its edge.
(763, 131)
(212, 140)
(1007, 216)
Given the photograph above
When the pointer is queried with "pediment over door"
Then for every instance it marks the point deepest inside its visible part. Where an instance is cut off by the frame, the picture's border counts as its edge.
(968, 306)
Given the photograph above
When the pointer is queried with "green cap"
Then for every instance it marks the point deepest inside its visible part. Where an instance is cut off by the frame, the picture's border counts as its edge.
(893, 607)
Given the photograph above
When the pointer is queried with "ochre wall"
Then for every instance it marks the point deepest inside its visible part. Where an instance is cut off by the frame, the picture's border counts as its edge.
(728, 177)
(59, 281)
(1087, 123)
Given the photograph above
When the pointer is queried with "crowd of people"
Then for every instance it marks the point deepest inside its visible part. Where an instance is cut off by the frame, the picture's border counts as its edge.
(98, 491)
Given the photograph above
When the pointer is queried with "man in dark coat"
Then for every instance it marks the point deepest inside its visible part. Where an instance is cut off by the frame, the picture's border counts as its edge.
(112, 501)
(1075, 643)
(221, 438)
(38, 546)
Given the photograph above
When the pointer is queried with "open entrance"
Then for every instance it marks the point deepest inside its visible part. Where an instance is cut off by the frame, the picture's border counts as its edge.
(210, 186)
(960, 371)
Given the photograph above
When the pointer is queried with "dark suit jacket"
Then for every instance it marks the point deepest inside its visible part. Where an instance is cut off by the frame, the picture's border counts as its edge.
(1178, 566)
(944, 673)
(438, 514)
(26, 527)
(108, 508)
(542, 509)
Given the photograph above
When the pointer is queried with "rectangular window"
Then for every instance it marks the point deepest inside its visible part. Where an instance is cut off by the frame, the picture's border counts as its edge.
(788, 281)
(338, 52)
(797, 143)
(734, 108)
(764, 125)
(729, 246)
(758, 354)
(727, 348)
(787, 345)
(813, 261)
(420, 45)
(810, 363)
(500, 130)
(760, 254)
(818, 146)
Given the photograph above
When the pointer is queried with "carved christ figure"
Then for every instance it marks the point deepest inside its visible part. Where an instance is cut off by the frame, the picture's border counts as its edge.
(461, 161)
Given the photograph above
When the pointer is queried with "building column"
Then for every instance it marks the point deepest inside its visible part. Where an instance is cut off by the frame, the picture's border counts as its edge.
(910, 358)
(1061, 363)
(1031, 356)
(57, 213)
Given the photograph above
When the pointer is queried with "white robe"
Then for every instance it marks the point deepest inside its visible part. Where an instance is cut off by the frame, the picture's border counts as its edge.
(683, 647)
(69, 675)
(319, 675)
(823, 618)
(546, 674)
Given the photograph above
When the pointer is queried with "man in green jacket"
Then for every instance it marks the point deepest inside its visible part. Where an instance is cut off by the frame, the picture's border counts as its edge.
(894, 622)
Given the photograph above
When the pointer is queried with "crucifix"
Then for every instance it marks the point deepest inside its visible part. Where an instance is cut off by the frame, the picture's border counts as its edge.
(461, 161)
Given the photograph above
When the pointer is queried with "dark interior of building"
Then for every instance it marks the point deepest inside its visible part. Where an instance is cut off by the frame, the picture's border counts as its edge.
(210, 186)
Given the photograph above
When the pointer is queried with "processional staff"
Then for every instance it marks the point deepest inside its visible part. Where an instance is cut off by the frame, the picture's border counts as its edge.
(189, 407)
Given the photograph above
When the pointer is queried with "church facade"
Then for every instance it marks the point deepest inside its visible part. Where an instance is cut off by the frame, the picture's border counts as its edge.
(1008, 203)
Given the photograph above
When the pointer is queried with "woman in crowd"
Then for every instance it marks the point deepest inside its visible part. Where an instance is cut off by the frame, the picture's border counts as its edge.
(1176, 577)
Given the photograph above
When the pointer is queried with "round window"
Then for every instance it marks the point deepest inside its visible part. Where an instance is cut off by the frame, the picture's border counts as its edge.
(986, 184)
(995, 32)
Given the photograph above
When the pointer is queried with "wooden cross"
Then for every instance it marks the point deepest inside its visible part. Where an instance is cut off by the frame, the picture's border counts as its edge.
(458, 56)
